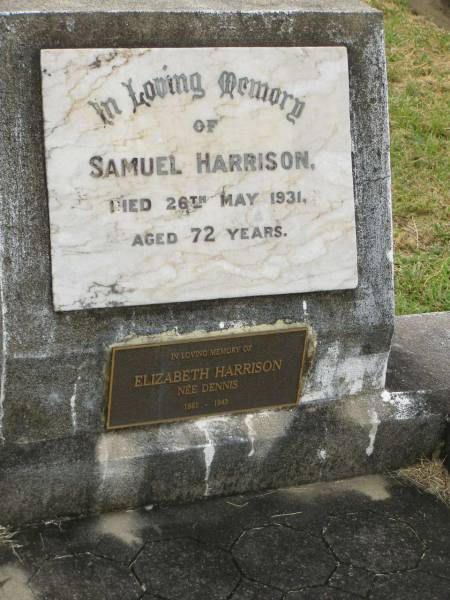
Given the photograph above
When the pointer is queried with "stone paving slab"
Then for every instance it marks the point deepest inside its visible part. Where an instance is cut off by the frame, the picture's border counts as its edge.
(370, 537)
(419, 358)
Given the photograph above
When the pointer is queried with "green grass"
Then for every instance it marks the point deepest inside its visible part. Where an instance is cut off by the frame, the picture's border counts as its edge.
(418, 55)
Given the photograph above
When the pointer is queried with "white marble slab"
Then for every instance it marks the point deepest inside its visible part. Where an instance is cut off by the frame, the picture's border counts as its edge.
(104, 108)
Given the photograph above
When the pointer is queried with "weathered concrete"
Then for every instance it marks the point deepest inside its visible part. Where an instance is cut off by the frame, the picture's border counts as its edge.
(420, 353)
(318, 441)
(371, 537)
(446, 449)
(53, 382)
(55, 457)
(419, 364)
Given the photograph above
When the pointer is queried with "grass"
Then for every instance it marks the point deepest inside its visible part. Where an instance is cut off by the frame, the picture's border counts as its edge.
(430, 476)
(418, 55)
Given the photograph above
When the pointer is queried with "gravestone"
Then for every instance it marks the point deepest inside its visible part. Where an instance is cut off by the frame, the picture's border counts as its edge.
(196, 275)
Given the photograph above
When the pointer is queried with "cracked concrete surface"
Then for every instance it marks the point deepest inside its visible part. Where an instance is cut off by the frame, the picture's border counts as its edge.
(327, 541)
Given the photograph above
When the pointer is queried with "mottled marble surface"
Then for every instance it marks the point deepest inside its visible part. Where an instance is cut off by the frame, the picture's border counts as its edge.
(118, 104)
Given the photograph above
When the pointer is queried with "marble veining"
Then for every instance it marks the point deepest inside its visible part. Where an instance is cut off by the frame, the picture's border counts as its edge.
(179, 174)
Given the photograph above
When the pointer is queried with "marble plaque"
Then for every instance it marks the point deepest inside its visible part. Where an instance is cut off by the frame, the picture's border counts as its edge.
(179, 174)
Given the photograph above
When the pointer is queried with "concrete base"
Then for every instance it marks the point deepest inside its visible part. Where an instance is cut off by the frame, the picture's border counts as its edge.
(329, 440)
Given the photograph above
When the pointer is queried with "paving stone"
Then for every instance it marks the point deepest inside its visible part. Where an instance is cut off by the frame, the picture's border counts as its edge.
(308, 507)
(373, 541)
(14, 582)
(436, 559)
(352, 579)
(297, 511)
(84, 578)
(430, 520)
(118, 536)
(248, 590)
(428, 517)
(405, 586)
(6, 553)
(276, 538)
(283, 558)
(219, 521)
(320, 593)
(184, 569)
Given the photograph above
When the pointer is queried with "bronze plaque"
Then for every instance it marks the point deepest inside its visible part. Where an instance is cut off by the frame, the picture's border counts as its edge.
(185, 379)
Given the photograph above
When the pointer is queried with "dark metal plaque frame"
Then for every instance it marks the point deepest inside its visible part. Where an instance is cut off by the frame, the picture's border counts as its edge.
(153, 403)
